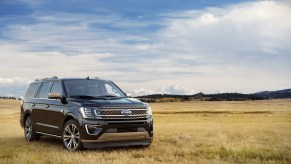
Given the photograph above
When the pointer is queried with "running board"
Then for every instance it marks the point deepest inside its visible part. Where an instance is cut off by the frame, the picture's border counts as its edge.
(47, 134)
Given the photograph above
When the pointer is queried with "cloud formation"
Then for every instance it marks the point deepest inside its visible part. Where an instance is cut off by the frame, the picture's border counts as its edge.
(14, 81)
(235, 48)
(172, 89)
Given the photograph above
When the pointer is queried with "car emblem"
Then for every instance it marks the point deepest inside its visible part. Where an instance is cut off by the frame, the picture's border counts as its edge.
(126, 112)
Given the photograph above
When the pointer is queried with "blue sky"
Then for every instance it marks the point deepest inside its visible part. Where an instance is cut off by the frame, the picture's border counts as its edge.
(166, 46)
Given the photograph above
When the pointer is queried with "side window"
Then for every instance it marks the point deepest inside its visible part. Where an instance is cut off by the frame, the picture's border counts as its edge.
(111, 90)
(57, 88)
(44, 90)
(30, 90)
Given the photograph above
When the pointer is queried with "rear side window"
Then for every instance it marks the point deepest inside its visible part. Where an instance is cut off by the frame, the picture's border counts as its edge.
(30, 90)
(44, 90)
(57, 88)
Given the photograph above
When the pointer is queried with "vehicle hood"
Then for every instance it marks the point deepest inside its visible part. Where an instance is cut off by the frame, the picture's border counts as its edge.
(108, 102)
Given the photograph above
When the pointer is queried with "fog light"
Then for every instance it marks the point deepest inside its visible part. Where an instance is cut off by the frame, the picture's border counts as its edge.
(151, 127)
(93, 129)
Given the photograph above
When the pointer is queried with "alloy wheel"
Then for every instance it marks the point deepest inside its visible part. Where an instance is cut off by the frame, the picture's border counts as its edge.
(28, 129)
(71, 136)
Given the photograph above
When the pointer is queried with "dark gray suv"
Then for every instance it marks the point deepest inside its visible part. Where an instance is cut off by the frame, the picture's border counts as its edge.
(85, 113)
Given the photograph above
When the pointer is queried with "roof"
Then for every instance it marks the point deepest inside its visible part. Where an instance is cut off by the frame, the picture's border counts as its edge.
(54, 78)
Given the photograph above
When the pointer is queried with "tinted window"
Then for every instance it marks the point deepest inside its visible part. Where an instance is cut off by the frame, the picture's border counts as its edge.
(44, 90)
(30, 90)
(96, 88)
(57, 88)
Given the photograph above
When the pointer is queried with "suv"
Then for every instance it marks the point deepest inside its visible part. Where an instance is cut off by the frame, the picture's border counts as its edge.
(85, 113)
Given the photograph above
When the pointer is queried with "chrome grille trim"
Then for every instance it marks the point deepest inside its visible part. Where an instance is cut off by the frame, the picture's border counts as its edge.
(122, 115)
(115, 112)
(123, 107)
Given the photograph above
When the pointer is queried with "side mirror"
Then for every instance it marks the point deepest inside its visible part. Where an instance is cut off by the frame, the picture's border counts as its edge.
(128, 94)
(55, 95)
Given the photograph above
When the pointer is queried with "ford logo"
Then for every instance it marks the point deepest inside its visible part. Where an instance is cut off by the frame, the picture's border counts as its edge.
(126, 112)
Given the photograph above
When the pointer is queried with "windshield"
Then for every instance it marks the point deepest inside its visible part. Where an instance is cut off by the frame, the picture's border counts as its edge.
(93, 88)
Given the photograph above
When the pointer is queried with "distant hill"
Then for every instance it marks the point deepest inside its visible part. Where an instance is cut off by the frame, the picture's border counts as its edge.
(286, 93)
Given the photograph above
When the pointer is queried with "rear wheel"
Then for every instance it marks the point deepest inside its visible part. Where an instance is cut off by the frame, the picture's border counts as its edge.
(29, 132)
(71, 136)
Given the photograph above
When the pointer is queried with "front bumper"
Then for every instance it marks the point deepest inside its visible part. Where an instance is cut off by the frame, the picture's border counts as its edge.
(116, 132)
(116, 144)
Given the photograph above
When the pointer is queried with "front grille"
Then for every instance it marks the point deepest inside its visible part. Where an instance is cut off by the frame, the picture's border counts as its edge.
(116, 112)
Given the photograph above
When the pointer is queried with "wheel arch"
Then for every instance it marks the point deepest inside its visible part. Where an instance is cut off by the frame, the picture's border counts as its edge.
(26, 114)
(70, 116)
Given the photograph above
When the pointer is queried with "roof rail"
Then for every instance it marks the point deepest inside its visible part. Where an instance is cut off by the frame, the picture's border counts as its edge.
(51, 78)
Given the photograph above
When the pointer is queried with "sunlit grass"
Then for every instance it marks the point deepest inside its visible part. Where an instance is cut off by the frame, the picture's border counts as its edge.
(232, 134)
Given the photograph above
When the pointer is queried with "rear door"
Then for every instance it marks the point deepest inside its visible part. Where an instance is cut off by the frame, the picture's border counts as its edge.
(40, 108)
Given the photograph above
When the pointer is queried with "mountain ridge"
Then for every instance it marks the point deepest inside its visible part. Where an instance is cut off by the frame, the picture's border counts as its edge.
(263, 95)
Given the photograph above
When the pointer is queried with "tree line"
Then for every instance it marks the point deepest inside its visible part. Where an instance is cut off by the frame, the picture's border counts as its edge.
(199, 97)
(9, 97)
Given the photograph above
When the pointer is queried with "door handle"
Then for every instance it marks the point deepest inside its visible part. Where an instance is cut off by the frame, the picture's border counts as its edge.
(47, 105)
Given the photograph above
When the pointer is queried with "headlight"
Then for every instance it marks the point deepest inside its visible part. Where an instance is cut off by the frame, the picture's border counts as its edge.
(89, 112)
(149, 110)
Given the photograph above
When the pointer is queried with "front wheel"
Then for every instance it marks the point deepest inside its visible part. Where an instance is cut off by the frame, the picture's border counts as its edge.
(71, 136)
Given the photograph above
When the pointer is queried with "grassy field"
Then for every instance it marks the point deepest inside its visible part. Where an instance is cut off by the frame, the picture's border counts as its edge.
(185, 132)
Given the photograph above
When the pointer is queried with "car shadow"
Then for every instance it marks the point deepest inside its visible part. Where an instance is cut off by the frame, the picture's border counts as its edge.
(57, 143)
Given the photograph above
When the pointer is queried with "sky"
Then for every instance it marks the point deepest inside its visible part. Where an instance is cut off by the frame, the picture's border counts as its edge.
(148, 46)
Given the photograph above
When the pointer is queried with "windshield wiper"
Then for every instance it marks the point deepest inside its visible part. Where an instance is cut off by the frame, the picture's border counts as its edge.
(94, 97)
(84, 97)
(110, 96)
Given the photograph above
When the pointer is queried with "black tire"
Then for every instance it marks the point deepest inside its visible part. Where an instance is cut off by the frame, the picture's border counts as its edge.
(71, 136)
(29, 131)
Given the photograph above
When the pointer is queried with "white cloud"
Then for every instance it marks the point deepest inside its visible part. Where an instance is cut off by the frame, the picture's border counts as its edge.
(140, 92)
(176, 90)
(145, 46)
(172, 89)
(14, 81)
(248, 28)
(239, 48)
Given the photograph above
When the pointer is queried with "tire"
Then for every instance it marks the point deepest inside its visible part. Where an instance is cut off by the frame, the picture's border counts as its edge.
(29, 131)
(71, 136)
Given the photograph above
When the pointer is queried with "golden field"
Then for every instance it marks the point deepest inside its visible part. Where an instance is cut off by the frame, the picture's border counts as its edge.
(185, 132)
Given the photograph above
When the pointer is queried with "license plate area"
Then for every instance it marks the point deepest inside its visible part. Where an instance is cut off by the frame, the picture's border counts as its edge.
(124, 130)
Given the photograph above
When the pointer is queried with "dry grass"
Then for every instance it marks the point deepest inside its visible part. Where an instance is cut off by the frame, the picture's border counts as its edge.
(185, 132)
